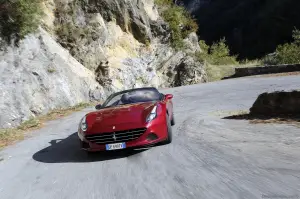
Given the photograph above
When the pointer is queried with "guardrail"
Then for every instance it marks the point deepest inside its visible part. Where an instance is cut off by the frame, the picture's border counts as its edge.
(261, 70)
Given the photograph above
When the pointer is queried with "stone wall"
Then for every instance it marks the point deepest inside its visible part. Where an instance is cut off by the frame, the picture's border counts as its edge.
(250, 71)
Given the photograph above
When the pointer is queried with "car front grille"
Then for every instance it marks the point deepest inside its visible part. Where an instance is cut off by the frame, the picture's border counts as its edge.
(115, 137)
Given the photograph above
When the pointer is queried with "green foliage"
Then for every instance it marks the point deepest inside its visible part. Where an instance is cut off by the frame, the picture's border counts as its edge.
(217, 54)
(163, 2)
(296, 36)
(51, 70)
(19, 18)
(288, 53)
(204, 47)
(69, 34)
(180, 22)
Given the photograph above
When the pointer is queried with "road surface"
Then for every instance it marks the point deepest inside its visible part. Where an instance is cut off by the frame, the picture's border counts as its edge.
(209, 157)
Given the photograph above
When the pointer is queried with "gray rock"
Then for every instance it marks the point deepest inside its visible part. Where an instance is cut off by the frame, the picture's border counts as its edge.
(182, 69)
(130, 15)
(192, 43)
(277, 103)
(39, 76)
(112, 20)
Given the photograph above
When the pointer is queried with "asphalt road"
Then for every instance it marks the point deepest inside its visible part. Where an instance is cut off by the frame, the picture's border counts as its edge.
(209, 157)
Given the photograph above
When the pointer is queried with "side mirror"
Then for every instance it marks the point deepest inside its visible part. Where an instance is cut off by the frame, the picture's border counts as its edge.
(169, 96)
(98, 106)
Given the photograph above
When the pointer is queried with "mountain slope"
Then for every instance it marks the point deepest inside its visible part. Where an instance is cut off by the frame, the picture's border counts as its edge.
(84, 51)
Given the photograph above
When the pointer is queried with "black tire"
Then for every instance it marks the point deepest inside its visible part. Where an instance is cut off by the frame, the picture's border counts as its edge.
(169, 128)
(90, 153)
(173, 120)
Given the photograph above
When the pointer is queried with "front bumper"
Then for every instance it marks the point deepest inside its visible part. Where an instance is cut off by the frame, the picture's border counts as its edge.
(159, 128)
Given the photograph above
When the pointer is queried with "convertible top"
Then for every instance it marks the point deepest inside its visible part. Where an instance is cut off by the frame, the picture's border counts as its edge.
(137, 89)
(136, 95)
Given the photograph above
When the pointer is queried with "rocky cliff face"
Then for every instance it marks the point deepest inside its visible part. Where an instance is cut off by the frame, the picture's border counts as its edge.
(124, 42)
(38, 76)
(88, 49)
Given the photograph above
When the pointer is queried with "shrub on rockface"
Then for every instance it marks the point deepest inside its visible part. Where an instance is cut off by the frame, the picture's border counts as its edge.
(180, 22)
(19, 18)
(163, 2)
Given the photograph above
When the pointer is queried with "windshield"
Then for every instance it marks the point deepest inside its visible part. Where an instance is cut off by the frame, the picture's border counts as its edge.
(132, 96)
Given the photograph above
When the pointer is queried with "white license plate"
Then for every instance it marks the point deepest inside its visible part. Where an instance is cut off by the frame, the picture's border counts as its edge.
(115, 146)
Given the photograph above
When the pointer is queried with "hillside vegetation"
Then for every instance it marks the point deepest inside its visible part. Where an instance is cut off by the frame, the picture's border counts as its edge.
(253, 28)
(182, 24)
(180, 21)
(288, 53)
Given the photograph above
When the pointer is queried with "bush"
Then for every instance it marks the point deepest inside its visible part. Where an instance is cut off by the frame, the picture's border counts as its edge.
(217, 54)
(180, 22)
(163, 2)
(19, 18)
(204, 47)
(288, 53)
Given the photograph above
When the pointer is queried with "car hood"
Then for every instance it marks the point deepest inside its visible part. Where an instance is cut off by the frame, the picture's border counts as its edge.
(119, 117)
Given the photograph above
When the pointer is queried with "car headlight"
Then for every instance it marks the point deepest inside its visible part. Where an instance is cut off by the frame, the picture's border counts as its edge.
(83, 124)
(152, 115)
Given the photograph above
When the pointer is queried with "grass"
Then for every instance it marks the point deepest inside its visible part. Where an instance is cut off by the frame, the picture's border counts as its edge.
(218, 72)
(9, 136)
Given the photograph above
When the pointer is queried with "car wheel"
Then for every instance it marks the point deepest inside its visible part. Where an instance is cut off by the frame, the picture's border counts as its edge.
(169, 128)
(90, 153)
(173, 120)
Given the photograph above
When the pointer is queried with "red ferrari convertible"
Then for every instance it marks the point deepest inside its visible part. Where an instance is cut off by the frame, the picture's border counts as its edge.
(136, 118)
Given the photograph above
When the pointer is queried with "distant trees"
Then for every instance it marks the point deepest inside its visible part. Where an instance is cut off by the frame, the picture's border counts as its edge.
(253, 28)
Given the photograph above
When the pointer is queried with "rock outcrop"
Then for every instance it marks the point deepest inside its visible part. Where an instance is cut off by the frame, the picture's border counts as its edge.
(39, 76)
(277, 104)
(130, 38)
(87, 50)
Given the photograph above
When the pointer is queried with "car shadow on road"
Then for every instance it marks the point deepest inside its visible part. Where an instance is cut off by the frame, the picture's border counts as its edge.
(254, 118)
(68, 150)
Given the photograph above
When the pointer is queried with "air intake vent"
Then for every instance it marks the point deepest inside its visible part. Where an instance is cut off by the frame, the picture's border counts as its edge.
(114, 137)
